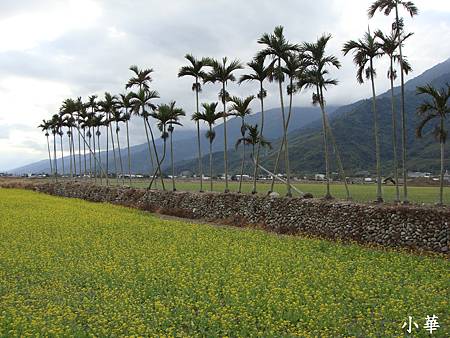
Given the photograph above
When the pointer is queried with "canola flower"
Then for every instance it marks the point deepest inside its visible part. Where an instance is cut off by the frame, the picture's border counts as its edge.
(73, 268)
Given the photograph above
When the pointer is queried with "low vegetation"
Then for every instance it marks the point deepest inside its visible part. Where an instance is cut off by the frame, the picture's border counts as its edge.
(70, 267)
(358, 192)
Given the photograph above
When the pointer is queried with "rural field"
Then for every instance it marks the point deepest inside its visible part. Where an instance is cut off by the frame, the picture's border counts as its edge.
(74, 268)
(359, 192)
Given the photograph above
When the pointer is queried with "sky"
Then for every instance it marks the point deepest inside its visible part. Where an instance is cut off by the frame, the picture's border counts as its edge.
(55, 49)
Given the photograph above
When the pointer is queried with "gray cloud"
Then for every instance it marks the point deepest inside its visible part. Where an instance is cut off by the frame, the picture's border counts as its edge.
(157, 34)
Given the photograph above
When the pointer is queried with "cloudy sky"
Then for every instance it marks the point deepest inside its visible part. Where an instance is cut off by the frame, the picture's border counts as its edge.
(54, 49)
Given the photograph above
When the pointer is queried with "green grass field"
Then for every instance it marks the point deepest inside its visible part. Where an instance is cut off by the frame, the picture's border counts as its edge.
(73, 268)
(359, 192)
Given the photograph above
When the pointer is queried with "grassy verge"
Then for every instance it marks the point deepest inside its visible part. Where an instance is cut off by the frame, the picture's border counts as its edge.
(70, 267)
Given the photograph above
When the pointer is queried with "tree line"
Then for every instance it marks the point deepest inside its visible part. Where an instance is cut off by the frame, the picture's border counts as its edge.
(294, 67)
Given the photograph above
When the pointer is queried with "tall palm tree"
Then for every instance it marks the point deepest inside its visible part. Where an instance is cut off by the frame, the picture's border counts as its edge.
(436, 109)
(80, 109)
(142, 105)
(386, 6)
(295, 65)
(223, 72)
(93, 106)
(125, 103)
(241, 108)
(99, 122)
(175, 114)
(316, 78)
(68, 109)
(278, 48)
(162, 114)
(108, 105)
(389, 44)
(118, 118)
(259, 73)
(54, 126)
(364, 52)
(210, 117)
(253, 138)
(82, 119)
(196, 70)
(59, 122)
(45, 126)
(142, 79)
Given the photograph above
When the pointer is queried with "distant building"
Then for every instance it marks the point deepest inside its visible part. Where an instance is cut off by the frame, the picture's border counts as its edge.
(186, 173)
(319, 177)
(418, 174)
(362, 173)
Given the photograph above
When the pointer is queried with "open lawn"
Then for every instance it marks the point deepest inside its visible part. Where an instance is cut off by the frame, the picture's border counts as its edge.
(74, 268)
(359, 192)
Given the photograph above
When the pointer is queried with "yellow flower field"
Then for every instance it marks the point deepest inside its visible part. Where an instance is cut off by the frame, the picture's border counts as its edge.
(74, 268)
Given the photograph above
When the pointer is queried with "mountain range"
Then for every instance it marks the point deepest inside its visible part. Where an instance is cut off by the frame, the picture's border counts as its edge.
(352, 127)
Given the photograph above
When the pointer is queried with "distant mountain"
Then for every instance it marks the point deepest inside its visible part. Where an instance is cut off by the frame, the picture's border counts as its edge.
(352, 127)
(185, 140)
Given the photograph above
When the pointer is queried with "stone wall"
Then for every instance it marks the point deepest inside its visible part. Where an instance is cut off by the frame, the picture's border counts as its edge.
(415, 227)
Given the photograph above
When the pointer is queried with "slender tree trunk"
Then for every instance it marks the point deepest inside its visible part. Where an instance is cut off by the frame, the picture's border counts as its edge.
(338, 156)
(403, 113)
(90, 155)
(377, 142)
(441, 185)
(210, 161)
(84, 152)
(325, 144)
(95, 163)
(107, 154)
(54, 156)
(129, 154)
(200, 169)
(70, 154)
(149, 151)
(49, 155)
(255, 172)
(225, 157)
(171, 161)
(79, 145)
(243, 157)
(114, 153)
(120, 153)
(158, 169)
(74, 156)
(394, 131)
(280, 88)
(62, 154)
(95, 158)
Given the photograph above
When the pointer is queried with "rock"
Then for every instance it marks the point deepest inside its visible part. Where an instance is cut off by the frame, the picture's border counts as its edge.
(274, 194)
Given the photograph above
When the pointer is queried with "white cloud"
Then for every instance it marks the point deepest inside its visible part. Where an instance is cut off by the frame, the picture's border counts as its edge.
(70, 48)
(27, 30)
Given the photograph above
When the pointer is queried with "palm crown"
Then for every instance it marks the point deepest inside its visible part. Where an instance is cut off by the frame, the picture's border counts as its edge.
(141, 79)
(195, 69)
(364, 50)
(317, 60)
(167, 114)
(209, 116)
(434, 109)
(386, 6)
(389, 45)
(142, 99)
(222, 71)
(240, 107)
